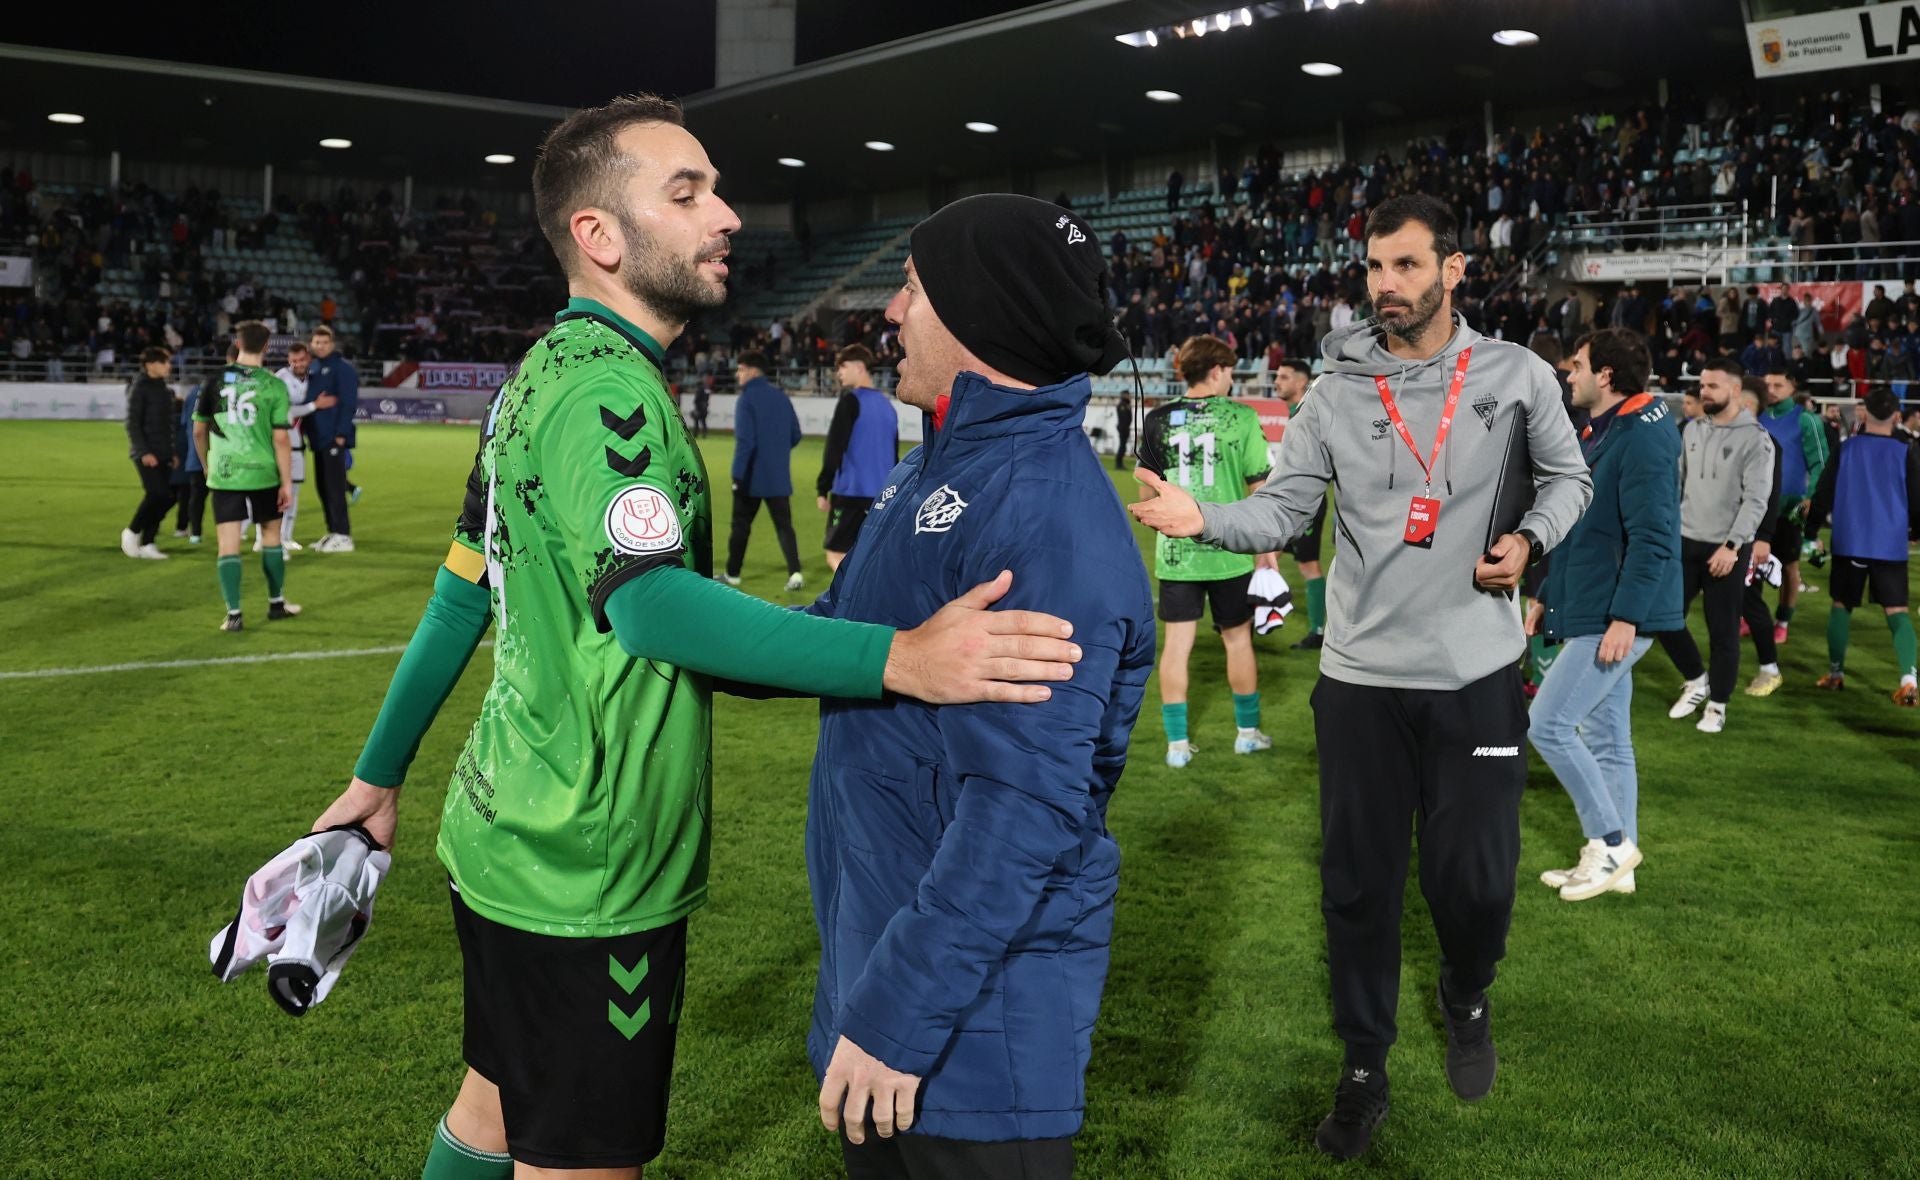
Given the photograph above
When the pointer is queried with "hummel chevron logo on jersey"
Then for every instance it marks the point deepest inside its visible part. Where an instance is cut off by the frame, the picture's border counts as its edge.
(631, 468)
(627, 427)
(1496, 751)
(939, 511)
(628, 1025)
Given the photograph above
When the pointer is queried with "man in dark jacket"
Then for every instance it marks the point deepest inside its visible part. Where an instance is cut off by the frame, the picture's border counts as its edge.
(150, 438)
(1614, 583)
(963, 875)
(765, 431)
(330, 434)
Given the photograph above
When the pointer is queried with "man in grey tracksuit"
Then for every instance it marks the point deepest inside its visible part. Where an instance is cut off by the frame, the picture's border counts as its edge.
(1418, 711)
(1726, 465)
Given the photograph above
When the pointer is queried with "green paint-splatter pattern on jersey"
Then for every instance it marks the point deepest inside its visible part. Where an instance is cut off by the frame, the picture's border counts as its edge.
(1212, 447)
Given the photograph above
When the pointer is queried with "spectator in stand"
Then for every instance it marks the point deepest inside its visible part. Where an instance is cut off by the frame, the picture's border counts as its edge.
(330, 434)
(863, 445)
(765, 431)
(151, 431)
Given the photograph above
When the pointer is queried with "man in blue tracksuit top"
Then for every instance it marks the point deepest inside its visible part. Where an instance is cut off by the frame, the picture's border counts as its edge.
(765, 431)
(963, 875)
(1614, 583)
(863, 444)
(330, 434)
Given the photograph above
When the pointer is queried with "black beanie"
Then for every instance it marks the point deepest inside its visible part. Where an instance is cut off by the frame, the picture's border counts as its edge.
(1021, 283)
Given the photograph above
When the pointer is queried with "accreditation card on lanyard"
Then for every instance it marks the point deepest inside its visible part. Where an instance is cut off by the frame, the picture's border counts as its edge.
(1423, 515)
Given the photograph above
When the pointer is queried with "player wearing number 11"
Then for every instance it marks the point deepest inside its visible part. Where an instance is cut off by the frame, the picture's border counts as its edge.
(240, 431)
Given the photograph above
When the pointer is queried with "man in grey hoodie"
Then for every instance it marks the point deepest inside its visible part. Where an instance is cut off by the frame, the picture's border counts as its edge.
(1418, 711)
(1726, 467)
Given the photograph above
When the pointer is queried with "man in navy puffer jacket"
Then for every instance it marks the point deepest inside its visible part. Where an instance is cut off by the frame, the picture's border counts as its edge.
(963, 875)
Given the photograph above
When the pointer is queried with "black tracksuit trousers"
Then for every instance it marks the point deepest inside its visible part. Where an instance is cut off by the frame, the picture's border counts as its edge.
(1451, 766)
(1721, 602)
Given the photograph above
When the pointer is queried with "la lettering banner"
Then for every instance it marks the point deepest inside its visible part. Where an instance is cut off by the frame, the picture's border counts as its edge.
(453, 375)
(1876, 35)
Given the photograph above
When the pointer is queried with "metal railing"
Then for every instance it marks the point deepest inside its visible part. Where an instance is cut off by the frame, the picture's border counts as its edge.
(1785, 262)
(1656, 228)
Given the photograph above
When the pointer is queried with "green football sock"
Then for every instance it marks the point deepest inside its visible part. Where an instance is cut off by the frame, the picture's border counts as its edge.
(273, 560)
(229, 566)
(1174, 718)
(1784, 614)
(1901, 625)
(1246, 710)
(450, 1159)
(1317, 603)
(1838, 622)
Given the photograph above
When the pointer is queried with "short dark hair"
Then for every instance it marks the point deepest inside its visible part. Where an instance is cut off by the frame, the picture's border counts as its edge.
(1395, 212)
(578, 164)
(1727, 365)
(253, 335)
(153, 354)
(1777, 371)
(1200, 355)
(1881, 404)
(1547, 347)
(1299, 366)
(753, 360)
(1757, 386)
(858, 353)
(1624, 351)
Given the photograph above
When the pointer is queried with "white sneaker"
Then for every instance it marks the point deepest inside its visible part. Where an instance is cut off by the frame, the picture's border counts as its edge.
(150, 552)
(796, 581)
(341, 543)
(1693, 694)
(256, 542)
(730, 579)
(1179, 754)
(1625, 883)
(1713, 720)
(1251, 741)
(291, 545)
(129, 542)
(324, 543)
(1590, 852)
(1613, 863)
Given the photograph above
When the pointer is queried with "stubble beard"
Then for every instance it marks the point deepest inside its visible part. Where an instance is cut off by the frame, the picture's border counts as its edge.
(1413, 325)
(672, 288)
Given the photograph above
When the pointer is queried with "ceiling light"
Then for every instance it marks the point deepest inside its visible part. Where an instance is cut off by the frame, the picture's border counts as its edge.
(1332, 4)
(1515, 37)
(336, 143)
(791, 162)
(1321, 69)
(499, 158)
(879, 145)
(1246, 16)
(1152, 41)
(982, 128)
(1223, 22)
(1163, 96)
(65, 117)
(1200, 27)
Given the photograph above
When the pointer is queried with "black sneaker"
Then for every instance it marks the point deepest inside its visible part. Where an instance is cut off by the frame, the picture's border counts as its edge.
(282, 610)
(1313, 642)
(1359, 1107)
(1471, 1060)
(232, 622)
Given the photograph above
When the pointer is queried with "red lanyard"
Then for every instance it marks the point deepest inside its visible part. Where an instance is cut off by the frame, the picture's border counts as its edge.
(1446, 415)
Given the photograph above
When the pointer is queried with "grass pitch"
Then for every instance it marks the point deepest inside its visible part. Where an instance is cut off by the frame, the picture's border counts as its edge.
(1751, 1012)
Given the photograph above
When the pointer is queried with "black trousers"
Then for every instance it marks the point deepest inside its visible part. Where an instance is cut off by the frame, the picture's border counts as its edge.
(1721, 599)
(157, 485)
(1758, 617)
(193, 503)
(745, 508)
(329, 464)
(1451, 766)
(923, 1157)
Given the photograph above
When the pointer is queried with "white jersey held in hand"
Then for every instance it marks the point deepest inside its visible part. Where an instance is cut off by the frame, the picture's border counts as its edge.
(304, 912)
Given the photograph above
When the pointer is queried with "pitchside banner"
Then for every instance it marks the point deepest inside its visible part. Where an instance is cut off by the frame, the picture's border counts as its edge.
(16, 271)
(483, 378)
(401, 409)
(1877, 35)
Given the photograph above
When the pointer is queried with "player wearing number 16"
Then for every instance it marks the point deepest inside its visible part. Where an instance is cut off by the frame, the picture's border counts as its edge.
(1418, 711)
(240, 432)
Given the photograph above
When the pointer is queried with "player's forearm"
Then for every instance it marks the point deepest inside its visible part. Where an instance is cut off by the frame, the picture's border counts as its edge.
(283, 456)
(675, 616)
(200, 443)
(450, 629)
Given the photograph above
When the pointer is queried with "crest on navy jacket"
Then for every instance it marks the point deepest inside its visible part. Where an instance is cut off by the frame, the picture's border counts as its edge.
(939, 511)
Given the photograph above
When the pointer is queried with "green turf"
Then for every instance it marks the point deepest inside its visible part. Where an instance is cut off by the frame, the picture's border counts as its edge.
(1750, 1013)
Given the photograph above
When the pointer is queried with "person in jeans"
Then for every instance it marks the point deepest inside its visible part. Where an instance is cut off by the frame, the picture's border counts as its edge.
(765, 431)
(150, 438)
(1726, 467)
(1614, 581)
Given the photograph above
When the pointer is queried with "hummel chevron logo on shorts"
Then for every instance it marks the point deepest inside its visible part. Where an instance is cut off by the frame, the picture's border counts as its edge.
(1496, 751)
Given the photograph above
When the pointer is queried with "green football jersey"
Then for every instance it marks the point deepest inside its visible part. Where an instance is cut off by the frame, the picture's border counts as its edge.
(242, 411)
(580, 804)
(1212, 447)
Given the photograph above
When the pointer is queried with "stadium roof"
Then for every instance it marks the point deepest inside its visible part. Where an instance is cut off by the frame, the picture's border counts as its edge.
(1052, 78)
